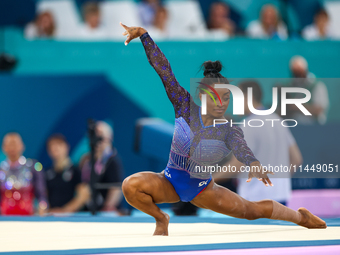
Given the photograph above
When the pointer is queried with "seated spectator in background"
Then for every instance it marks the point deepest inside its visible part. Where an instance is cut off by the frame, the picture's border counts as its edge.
(319, 102)
(66, 192)
(147, 10)
(159, 29)
(219, 24)
(320, 29)
(269, 26)
(42, 27)
(21, 180)
(108, 168)
(92, 29)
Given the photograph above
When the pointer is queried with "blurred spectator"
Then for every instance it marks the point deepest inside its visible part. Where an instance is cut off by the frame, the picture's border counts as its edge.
(304, 11)
(319, 103)
(147, 10)
(108, 168)
(42, 27)
(159, 29)
(320, 29)
(269, 26)
(219, 23)
(92, 29)
(66, 193)
(272, 145)
(21, 180)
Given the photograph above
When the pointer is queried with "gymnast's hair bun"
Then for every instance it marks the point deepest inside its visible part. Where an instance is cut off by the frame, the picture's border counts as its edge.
(212, 67)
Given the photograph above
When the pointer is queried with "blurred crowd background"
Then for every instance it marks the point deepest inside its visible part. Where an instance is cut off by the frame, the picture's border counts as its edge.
(64, 61)
(176, 20)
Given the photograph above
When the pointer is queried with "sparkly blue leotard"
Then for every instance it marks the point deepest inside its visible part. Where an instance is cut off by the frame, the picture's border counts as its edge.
(193, 144)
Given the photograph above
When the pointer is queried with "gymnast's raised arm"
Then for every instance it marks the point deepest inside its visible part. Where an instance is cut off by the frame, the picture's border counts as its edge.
(176, 93)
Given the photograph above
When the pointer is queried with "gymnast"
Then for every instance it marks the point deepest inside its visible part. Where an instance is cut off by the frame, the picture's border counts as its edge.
(196, 142)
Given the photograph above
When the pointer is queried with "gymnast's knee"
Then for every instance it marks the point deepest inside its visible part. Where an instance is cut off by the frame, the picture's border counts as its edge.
(130, 185)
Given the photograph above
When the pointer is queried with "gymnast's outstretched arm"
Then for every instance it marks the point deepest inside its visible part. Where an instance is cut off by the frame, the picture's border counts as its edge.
(176, 93)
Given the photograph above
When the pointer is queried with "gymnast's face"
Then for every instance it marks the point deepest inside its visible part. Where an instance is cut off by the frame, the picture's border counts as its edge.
(217, 110)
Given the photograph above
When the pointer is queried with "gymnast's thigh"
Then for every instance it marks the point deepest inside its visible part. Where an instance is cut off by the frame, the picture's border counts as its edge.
(154, 184)
(222, 200)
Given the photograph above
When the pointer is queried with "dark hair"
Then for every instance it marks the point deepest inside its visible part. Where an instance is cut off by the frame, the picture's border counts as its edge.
(56, 137)
(211, 72)
(212, 69)
(257, 92)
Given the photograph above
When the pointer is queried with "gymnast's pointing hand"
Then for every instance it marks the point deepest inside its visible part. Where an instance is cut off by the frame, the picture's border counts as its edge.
(132, 32)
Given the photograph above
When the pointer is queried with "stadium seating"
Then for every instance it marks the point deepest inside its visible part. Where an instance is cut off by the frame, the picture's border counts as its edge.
(333, 9)
(114, 12)
(186, 20)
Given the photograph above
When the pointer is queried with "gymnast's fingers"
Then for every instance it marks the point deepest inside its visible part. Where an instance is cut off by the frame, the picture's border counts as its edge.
(129, 38)
(265, 182)
(269, 182)
(124, 26)
(125, 33)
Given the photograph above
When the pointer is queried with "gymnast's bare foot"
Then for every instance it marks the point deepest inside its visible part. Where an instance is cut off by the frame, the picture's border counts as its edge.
(162, 226)
(309, 220)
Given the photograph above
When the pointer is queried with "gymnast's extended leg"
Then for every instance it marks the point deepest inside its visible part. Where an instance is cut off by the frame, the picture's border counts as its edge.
(222, 200)
(146, 189)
